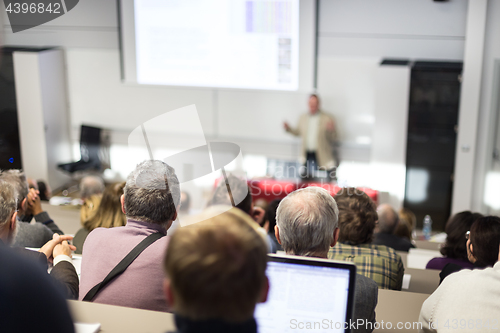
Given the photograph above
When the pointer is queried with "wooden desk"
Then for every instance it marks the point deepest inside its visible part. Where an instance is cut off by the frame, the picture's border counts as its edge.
(398, 307)
(423, 280)
(117, 319)
(426, 245)
(393, 306)
(418, 258)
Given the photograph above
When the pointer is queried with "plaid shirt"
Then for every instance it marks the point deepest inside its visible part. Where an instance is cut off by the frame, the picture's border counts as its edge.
(378, 262)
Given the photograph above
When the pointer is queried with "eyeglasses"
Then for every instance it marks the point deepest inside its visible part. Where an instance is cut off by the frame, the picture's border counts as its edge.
(467, 235)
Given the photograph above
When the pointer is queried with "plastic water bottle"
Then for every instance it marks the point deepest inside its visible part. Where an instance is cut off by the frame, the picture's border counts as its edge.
(427, 227)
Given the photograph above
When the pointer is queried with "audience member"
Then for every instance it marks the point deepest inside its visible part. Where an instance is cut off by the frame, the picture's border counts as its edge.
(107, 215)
(151, 197)
(483, 241)
(44, 189)
(185, 203)
(56, 249)
(91, 185)
(30, 302)
(239, 190)
(271, 220)
(357, 219)
(406, 225)
(28, 205)
(183, 212)
(388, 220)
(307, 225)
(469, 299)
(216, 273)
(454, 249)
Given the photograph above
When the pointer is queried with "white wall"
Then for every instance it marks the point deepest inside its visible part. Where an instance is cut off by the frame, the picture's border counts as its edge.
(42, 112)
(415, 29)
(488, 109)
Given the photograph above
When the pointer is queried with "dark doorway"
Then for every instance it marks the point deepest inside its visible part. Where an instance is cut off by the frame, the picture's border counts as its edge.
(431, 143)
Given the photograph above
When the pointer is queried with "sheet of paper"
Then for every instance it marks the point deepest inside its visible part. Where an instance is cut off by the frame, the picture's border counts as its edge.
(406, 281)
(87, 328)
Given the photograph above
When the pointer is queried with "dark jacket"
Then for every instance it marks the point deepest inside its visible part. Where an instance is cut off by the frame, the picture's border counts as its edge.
(186, 325)
(393, 241)
(30, 301)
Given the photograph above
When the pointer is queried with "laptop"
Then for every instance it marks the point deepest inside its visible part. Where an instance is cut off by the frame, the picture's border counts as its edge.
(307, 295)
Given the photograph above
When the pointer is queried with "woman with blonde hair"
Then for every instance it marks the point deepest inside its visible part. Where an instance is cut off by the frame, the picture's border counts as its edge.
(106, 214)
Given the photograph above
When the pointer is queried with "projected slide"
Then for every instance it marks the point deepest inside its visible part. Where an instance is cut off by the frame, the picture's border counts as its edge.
(218, 43)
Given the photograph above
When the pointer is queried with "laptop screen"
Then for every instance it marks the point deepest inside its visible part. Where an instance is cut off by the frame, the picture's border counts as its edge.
(307, 295)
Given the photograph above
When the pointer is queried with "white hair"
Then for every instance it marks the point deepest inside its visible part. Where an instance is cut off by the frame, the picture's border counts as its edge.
(307, 219)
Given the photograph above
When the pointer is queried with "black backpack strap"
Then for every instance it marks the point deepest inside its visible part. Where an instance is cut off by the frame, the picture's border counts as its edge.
(122, 265)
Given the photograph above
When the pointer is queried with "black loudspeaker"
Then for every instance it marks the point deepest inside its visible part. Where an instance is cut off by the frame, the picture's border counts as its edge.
(10, 150)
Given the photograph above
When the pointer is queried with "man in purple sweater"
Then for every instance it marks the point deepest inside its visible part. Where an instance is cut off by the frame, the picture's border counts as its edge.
(151, 197)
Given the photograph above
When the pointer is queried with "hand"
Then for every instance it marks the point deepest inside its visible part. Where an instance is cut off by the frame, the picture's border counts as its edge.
(48, 248)
(286, 126)
(62, 248)
(258, 215)
(330, 126)
(34, 202)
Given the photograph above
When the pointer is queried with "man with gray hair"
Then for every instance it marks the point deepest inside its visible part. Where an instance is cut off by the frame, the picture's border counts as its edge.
(307, 225)
(388, 220)
(91, 185)
(150, 202)
(28, 205)
(57, 249)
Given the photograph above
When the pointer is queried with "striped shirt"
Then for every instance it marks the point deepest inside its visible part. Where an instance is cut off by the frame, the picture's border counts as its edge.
(377, 262)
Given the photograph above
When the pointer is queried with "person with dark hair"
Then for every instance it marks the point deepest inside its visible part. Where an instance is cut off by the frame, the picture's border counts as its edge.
(150, 202)
(357, 220)
(318, 133)
(388, 220)
(44, 189)
(483, 241)
(271, 217)
(454, 249)
(108, 214)
(241, 196)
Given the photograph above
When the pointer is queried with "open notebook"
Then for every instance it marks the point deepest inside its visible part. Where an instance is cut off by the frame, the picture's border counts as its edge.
(306, 294)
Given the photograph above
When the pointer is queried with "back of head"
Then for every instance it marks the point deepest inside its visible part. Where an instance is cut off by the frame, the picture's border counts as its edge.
(8, 203)
(456, 227)
(407, 222)
(18, 180)
(357, 216)
(217, 267)
(485, 240)
(307, 219)
(91, 185)
(387, 219)
(152, 193)
(109, 211)
(239, 191)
